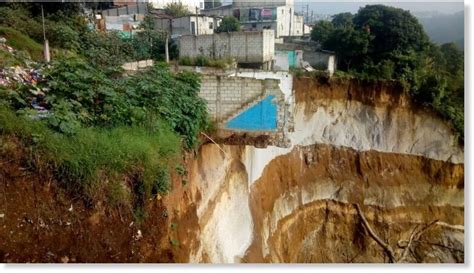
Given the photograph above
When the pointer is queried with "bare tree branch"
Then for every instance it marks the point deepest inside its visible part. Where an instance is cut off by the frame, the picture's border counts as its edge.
(388, 249)
(407, 248)
(440, 245)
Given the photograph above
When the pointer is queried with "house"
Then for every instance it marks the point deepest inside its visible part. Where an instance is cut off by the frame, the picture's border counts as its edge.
(222, 11)
(126, 9)
(311, 54)
(278, 15)
(196, 24)
(124, 18)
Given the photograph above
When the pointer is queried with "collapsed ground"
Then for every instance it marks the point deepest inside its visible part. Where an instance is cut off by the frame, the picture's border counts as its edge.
(88, 153)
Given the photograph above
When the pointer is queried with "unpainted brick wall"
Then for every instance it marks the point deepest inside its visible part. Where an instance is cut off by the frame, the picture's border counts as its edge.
(245, 47)
(228, 96)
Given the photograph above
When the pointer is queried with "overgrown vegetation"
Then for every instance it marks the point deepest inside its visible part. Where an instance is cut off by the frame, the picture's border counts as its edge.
(107, 136)
(386, 43)
(97, 163)
(229, 24)
(177, 9)
(68, 30)
(205, 61)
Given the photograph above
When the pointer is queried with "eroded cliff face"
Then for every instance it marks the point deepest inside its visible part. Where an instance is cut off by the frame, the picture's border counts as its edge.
(354, 143)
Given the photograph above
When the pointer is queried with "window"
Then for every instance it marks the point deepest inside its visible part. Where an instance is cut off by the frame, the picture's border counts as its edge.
(211, 25)
(255, 15)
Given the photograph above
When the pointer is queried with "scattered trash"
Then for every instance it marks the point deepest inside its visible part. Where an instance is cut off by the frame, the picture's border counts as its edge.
(65, 259)
(11, 76)
(17, 74)
(51, 254)
(28, 220)
(71, 208)
(2, 215)
(42, 224)
(138, 236)
(307, 66)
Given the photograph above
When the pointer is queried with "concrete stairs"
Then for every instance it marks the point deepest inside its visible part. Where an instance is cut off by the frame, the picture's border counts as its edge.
(249, 104)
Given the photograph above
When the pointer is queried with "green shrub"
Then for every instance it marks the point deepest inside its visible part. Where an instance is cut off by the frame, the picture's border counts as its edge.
(205, 61)
(202, 61)
(83, 95)
(63, 36)
(221, 63)
(185, 60)
(229, 24)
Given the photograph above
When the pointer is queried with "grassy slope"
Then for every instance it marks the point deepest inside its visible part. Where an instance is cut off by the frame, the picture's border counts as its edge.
(7, 59)
(96, 161)
(20, 41)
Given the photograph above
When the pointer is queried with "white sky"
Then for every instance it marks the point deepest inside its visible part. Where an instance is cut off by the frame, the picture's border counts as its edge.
(332, 7)
(337, 6)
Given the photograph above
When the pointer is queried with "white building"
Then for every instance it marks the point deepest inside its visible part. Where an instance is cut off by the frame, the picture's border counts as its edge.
(196, 24)
(278, 15)
(262, 3)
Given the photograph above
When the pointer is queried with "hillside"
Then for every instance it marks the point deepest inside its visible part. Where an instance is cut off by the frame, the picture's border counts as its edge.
(104, 164)
(354, 145)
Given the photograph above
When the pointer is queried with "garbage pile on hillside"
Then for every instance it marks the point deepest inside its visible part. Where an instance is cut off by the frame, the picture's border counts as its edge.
(20, 75)
(12, 76)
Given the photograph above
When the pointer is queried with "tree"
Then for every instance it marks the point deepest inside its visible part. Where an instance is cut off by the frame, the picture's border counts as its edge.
(229, 24)
(69, 8)
(453, 57)
(393, 29)
(177, 9)
(148, 22)
(348, 44)
(321, 31)
(343, 20)
(210, 4)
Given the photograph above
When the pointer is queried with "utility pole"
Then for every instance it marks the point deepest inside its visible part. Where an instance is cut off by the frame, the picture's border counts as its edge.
(167, 53)
(307, 12)
(47, 57)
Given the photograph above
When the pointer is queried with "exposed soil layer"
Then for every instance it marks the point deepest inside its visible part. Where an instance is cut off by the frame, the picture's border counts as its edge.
(379, 93)
(303, 206)
(370, 116)
(41, 222)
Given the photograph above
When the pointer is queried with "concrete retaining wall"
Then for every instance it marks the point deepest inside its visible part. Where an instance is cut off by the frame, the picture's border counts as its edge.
(245, 47)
